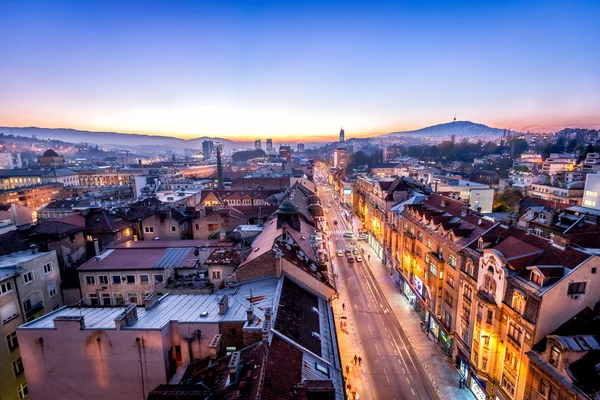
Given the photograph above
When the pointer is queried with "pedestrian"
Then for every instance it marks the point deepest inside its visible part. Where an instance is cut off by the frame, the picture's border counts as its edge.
(359, 361)
(353, 395)
(369, 257)
(347, 369)
(355, 359)
(344, 306)
(349, 386)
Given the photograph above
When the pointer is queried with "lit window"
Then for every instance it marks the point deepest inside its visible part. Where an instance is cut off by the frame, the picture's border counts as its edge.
(452, 261)
(589, 203)
(537, 278)
(216, 274)
(518, 302)
(591, 194)
(428, 244)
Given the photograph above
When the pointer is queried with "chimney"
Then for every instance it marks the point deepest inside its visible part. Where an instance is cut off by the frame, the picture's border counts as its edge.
(96, 247)
(266, 330)
(128, 316)
(223, 304)
(34, 249)
(76, 322)
(234, 367)
(214, 347)
(250, 314)
(150, 300)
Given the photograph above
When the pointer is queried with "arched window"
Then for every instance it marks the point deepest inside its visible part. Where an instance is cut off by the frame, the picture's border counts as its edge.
(490, 284)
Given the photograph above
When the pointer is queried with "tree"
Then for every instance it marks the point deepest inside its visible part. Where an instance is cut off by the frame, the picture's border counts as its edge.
(505, 202)
(246, 155)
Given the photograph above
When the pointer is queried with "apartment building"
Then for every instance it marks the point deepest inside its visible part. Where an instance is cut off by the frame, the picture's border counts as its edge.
(33, 197)
(558, 162)
(62, 175)
(478, 195)
(109, 176)
(526, 288)
(434, 233)
(570, 193)
(591, 191)
(29, 287)
(563, 365)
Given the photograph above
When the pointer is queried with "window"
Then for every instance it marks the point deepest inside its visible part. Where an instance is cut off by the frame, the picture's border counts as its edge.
(538, 232)
(144, 279)
(52, 289)
(554, 356)
(173, 228)
(116, 280)
(428, 244)
(591, 194)
(28, 277)
(322, 368)
(89, 238)
(508, 386)
(23, 390)
(433, 269)
(484, 364)
(452, 261)
(159, 278)
(106, 300)
(11, 340)
(518, 302)
(589, 203)
(119, 236)
(216, 274)
(537, 279)
(90, 280)
(132, 297)
(515, 332)
(490, 285)
(490, 316)
(17, 366)
(6, 287)
(103, 279)
(94, 300)
(553, 395)
(420, 237)
(119, 299)
(418, 252)
(48, 268)
(406, 225)
(213, 227)
(450, 281)
(148, 229)
(130, 279)
(468, 292)
(576, 288)
(197, 227)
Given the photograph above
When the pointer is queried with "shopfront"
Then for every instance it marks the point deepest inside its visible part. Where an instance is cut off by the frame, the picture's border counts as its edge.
(376, 247)
(478, 388)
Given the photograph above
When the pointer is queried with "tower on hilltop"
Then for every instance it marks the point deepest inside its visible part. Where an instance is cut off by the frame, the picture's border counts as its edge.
(342, 135)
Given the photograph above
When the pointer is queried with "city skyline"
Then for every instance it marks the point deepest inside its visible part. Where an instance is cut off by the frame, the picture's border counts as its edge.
(240, 71)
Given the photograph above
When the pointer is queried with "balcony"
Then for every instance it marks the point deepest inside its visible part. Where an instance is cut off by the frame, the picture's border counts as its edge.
(33, 309)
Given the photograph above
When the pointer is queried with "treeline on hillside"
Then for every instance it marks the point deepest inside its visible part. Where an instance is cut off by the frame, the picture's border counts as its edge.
(246, 155)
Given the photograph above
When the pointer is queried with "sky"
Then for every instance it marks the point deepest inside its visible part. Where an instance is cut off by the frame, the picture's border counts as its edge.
(298, 69)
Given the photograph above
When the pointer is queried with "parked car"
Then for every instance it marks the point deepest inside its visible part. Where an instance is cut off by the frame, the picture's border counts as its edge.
(358, 259)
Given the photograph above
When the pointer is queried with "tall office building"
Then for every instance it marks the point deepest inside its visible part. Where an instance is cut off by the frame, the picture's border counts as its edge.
(269, 146)
(342, 135)
(219, 146)
(285, 152)
(391, 152)
(207, 148)
(300, 147)
(340, 158)
(257, 145)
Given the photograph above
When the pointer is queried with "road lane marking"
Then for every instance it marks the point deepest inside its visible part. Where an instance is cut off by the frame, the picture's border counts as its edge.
(413, 391)
(377, 348)
(370, 329)
(408, 380)
(386, 376)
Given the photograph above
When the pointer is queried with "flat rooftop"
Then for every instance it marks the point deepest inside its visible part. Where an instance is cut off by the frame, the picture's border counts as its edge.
(140, 258)
(184, 308)
(19, 257)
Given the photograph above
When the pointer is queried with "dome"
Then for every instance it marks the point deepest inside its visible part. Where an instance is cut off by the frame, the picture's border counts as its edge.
(287, 207)
(50, 153)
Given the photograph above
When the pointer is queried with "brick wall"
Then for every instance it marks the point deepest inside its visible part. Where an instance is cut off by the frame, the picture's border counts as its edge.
(263, 265)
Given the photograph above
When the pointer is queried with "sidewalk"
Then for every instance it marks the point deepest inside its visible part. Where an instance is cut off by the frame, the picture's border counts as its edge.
(440, 370)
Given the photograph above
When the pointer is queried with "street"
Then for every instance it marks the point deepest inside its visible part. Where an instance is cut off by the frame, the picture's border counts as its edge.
(391, 365)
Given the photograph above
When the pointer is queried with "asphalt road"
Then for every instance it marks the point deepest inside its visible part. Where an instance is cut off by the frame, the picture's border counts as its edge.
(393, 368)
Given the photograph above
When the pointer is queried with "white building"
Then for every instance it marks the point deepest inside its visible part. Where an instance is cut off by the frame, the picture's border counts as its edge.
(10, 160)
(559, 163)
(62, 175)
(591, 191)
(477, 195)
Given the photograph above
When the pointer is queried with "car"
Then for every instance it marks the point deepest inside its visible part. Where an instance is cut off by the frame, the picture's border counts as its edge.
(350, 259)
(348, 252)
(355, 251)
(349, 235)
(362, 236)
(335, 222)
(340, 253)
(358, 259)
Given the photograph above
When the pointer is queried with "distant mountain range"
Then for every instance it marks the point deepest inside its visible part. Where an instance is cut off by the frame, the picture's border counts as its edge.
(116, 139)
(129, 140)
(458, 128)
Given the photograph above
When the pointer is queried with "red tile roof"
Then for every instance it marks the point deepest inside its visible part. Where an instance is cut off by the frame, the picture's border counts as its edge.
(284, 370)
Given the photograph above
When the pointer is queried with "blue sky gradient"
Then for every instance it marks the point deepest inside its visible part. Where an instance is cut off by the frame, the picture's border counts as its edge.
(298, 68)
